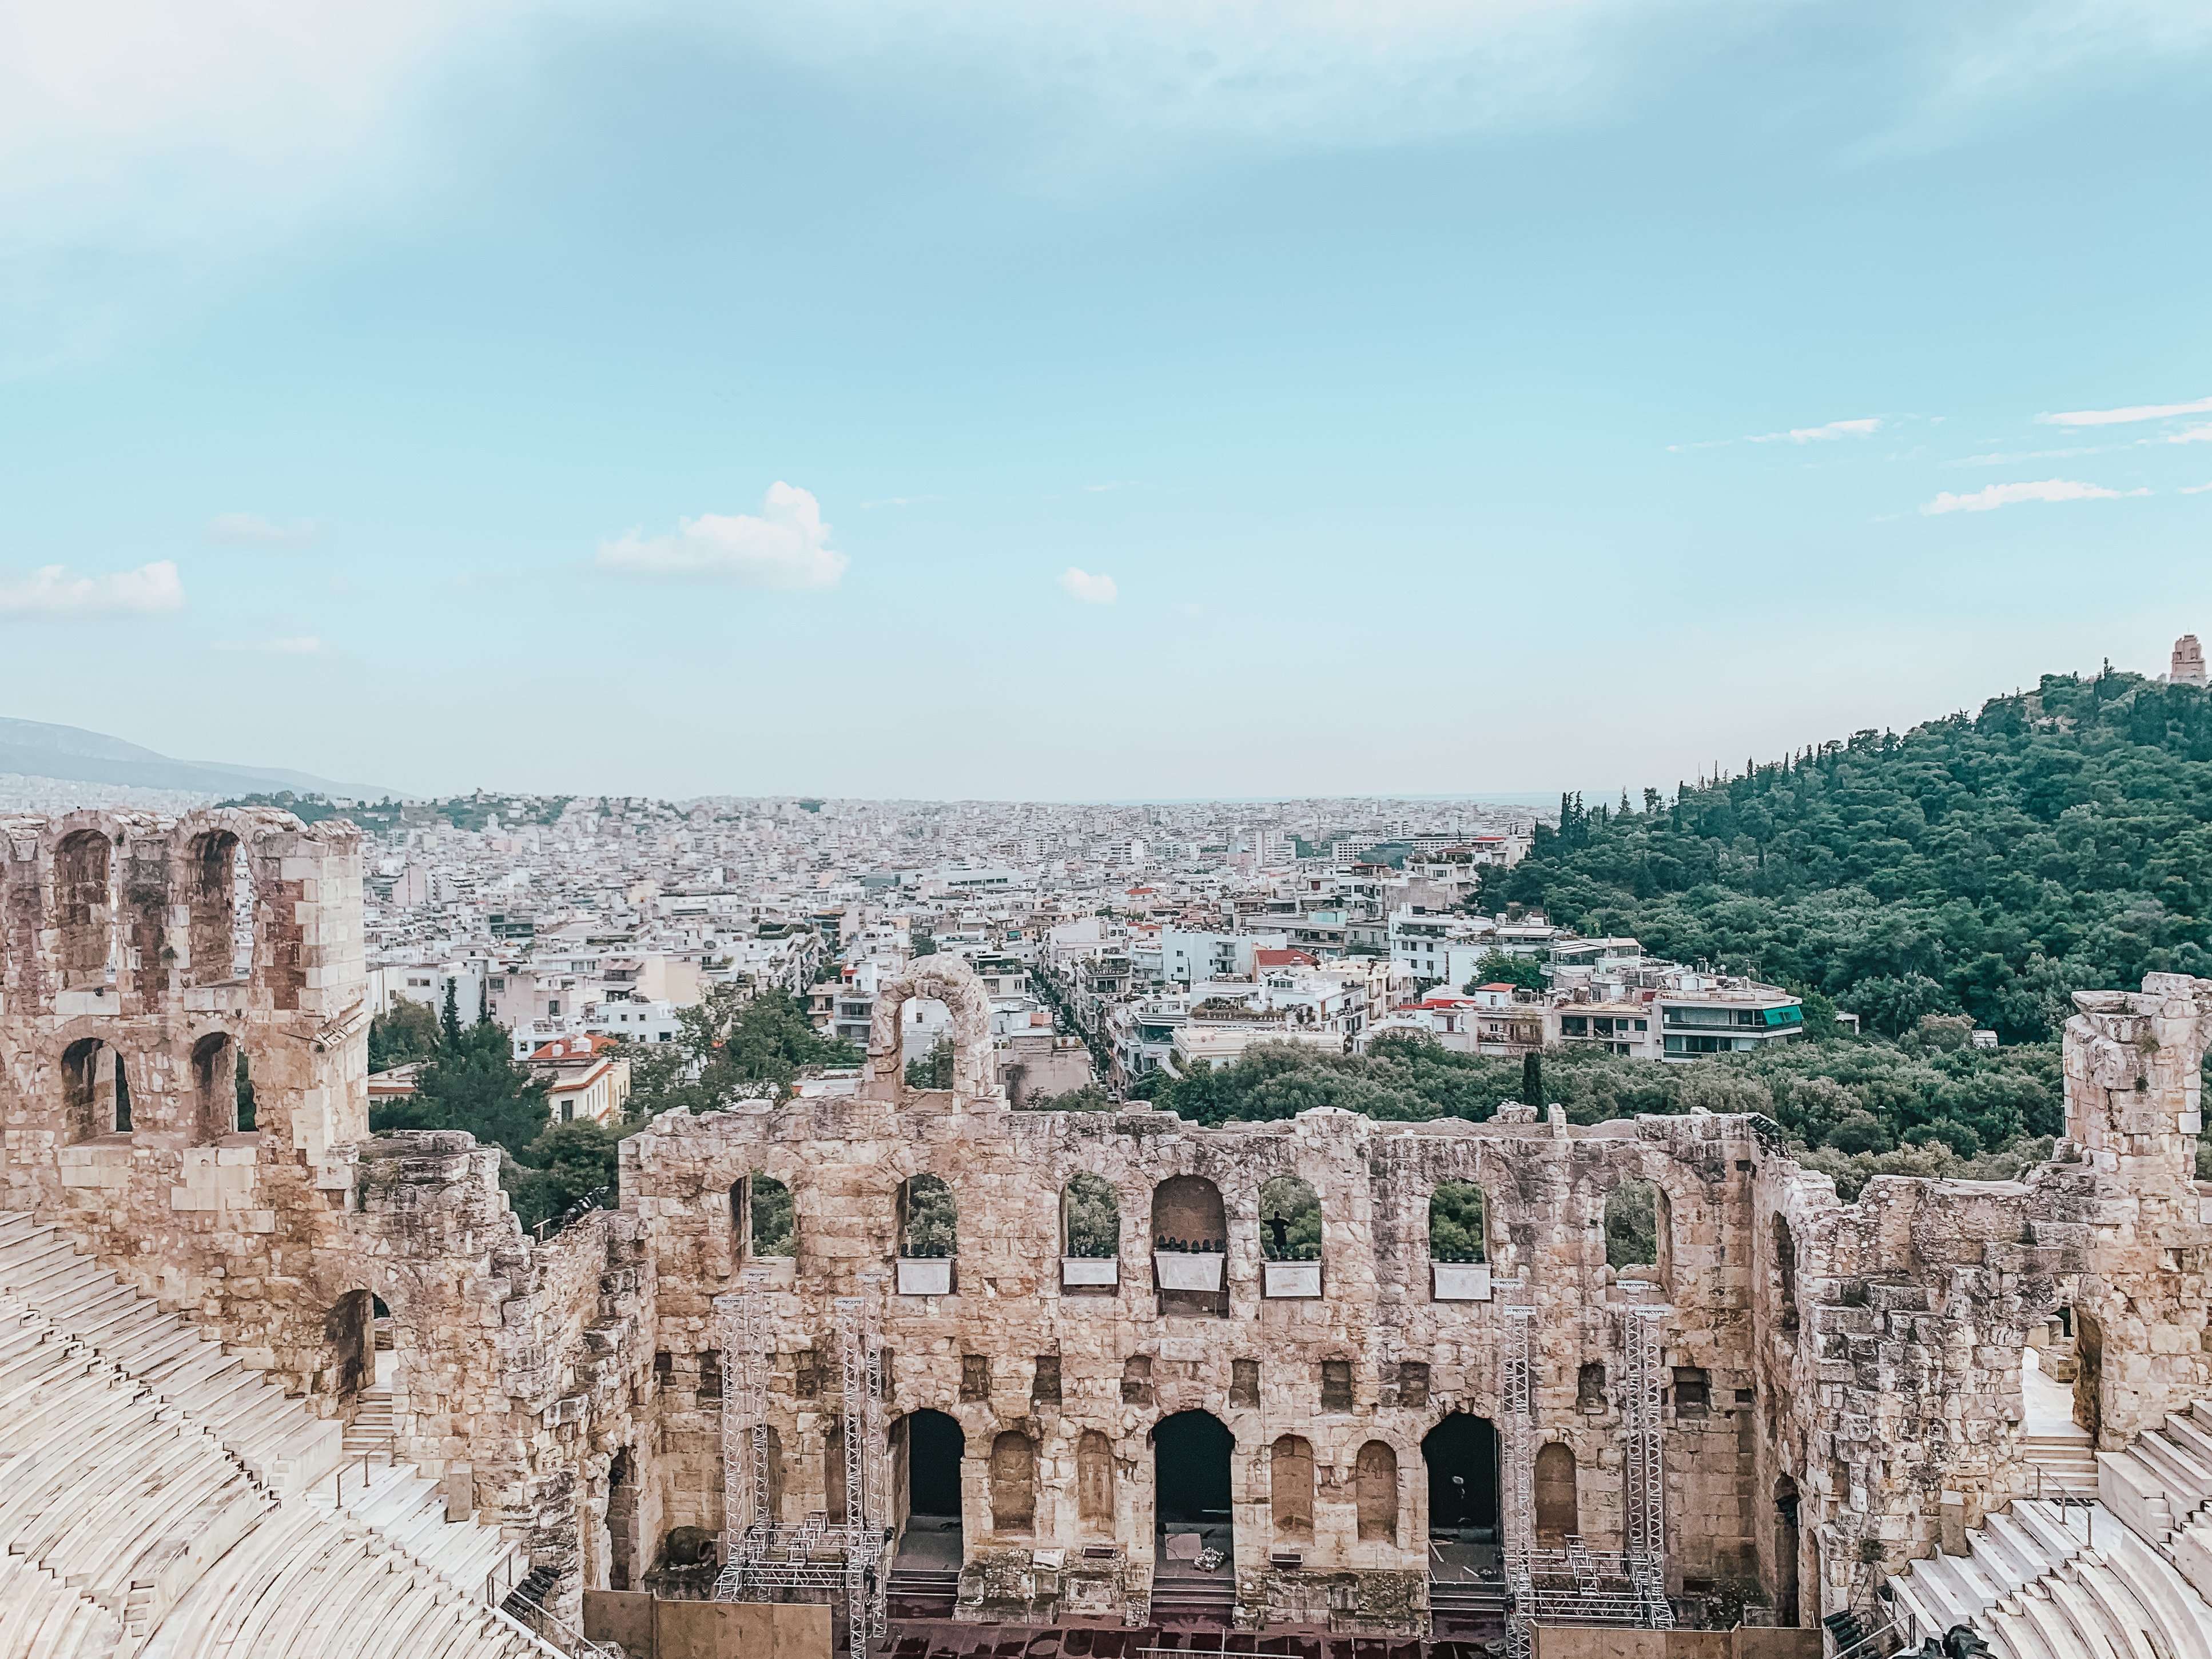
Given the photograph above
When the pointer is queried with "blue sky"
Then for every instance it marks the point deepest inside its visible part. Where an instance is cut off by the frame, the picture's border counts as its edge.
(1094, 400)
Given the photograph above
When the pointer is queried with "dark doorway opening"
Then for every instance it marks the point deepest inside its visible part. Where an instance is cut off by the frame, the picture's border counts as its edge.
(350, 1329)
(1191, 1452)
(2088, 1375)
(622, 1522)
(926, 1449)
(1461, 1453)
(935, 1448)
(1785, 1553)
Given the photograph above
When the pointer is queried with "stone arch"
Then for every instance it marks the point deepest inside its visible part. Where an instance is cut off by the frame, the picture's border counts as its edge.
(764, 1219)
(212, 865)
(1632, 1216)
(1189, 1219)
(1290, 1488)
(951, 981)
(1013, 1482)
(623, 1569)
(1375, 1488)
(928, 1218)
(218, 1066)
(1459, 1223)
(1558, 1512)
(84, 908)
(350, 1329)
(1094, 1482)
(1785, 1553)
(1290, 1219)
(1785, 1264)
(1089, 1218)
(95, 1090)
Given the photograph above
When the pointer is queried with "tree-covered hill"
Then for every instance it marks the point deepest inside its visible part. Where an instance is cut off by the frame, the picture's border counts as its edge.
(1989, 865)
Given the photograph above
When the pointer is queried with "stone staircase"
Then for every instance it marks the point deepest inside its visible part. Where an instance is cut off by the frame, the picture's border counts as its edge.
(2125, 1576)
(158, 1498)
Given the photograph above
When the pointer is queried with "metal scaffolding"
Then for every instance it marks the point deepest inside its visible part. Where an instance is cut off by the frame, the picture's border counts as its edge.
(1516, 1526)
(818, 1560)
(741, 1327)
(1647, 1464)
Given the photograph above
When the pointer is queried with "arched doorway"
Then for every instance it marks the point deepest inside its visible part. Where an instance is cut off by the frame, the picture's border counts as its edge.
(1785, 1553)
(1192, 1496)
(1461, 1454)
(2088, 1374)
(622, 1522)
(926, 1449)
(350, 1329)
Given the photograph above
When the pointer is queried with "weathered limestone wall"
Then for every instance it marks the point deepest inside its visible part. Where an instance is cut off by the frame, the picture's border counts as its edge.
(116, 930)
(1853, 1367)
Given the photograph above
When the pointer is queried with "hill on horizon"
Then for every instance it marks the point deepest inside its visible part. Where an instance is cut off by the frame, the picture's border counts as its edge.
(72, 755)
(1987, 864)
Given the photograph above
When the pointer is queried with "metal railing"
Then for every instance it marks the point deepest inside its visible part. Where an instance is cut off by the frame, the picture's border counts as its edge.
(2064, 1496)
(555, 1631)
(1875, 1643)
(339, 1475)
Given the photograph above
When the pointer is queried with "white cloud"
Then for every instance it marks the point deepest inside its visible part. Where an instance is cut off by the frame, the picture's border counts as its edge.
(788, 546)
(303, 645)
(2006, 495)
(2195, 434)
(251, 530)
(1091, 590)
(2195, 489)
(52, 590)
(2123, 416)
(1819, 434)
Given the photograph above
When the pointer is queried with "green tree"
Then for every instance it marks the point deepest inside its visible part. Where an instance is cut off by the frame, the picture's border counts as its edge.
(933, 1070)
(1505, 968)
(1532, 1081)
(732, 1045)
(472, 1083)
(566, 1162)
(404, 1031)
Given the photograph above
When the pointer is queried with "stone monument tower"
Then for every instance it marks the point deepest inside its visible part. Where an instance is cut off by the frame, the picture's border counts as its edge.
(2188, 667)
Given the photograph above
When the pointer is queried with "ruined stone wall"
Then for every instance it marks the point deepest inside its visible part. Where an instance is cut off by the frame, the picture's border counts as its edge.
(1122, 1365)
(116, 930)
(1855, 1365)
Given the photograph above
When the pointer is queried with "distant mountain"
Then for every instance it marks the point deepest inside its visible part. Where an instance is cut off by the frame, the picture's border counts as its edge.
(39, 751)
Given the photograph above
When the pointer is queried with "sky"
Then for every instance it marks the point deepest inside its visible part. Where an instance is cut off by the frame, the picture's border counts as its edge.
(1107, 399)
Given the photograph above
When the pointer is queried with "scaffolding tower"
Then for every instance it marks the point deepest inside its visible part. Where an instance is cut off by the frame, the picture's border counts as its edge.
(1517, 1527)
(821, 1559)
(1647, 1464)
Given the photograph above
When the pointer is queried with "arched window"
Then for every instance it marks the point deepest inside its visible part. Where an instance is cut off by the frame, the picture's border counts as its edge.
(1290, 1487)
(1094, 1482)
(1091, 1218)
(82, 907)
(1013, 1482)
(1290, 1220)
(1632, 1226)
(1785, 1264)
(1458, 1224)
(211, 885)
(622, 1521)
(774, 1225)
(1190, 1243)
(1558, 1515)
(927, 1219)
(215, 1089)
(95, 1094)
(350, 1329)
(248, 1117)
(1375, 1482)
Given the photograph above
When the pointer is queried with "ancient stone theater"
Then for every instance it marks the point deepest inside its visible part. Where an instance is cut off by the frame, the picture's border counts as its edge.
(270, 1384)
